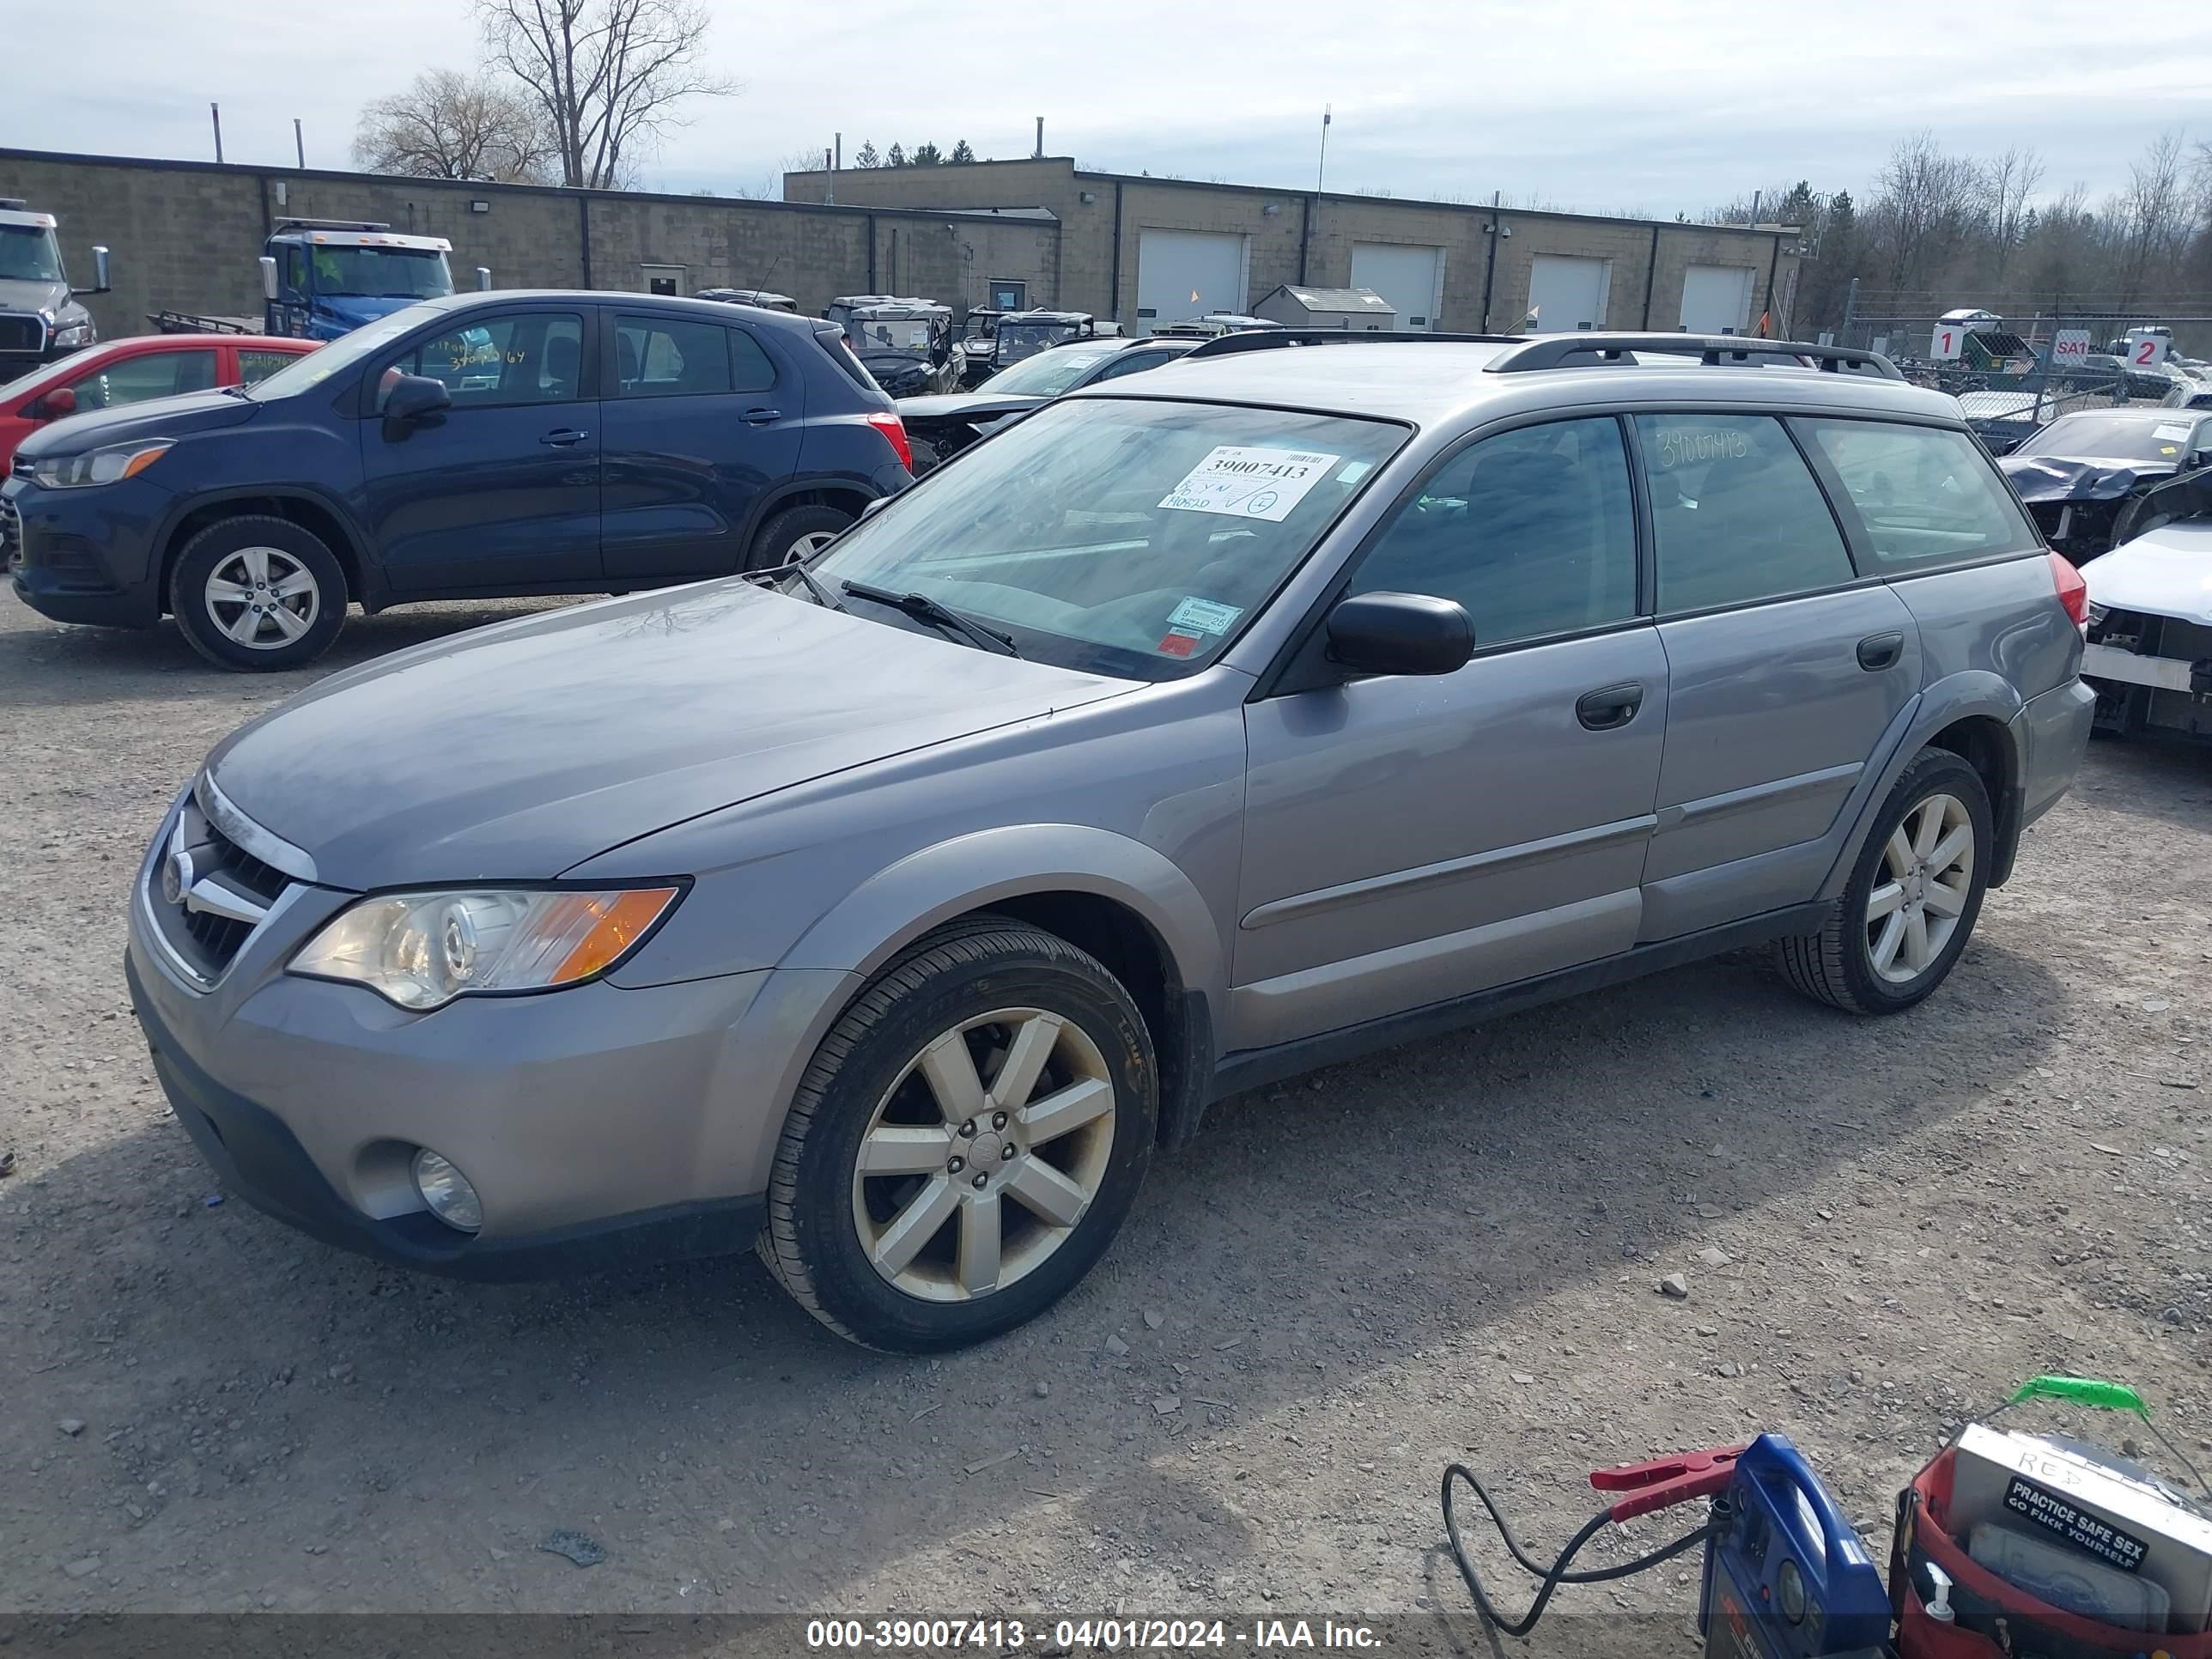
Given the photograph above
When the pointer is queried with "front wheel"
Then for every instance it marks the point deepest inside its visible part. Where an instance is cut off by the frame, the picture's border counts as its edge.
(1905, 916)
(966, 1143)
(257, 593)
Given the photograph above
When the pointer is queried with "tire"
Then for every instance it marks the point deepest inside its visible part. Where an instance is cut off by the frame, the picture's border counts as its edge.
(794, 531)
(231, 553)
(1844, 965)
(830, 1224)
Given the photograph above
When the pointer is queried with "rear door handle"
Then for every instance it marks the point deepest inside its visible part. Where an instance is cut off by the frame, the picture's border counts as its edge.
(564, 436)
(1880, 650)
(1609, 707)
(763, 416)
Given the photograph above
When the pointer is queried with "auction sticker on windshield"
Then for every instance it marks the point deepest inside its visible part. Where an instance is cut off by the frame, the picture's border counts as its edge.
(1206, 615)
(1249, 483)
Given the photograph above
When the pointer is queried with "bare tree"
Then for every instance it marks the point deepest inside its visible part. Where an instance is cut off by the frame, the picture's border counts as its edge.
(2007, 183)
(610, 75)
(447, 125)
(2156, 213)
(1924, 208)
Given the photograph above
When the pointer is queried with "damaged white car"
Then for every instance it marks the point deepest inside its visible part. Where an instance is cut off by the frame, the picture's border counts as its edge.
(2149, 651)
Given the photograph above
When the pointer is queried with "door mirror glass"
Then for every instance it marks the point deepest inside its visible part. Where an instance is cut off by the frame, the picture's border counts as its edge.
(415, 397)
(1399, 634)
(56, 404)
(100, 283)
(267, 277)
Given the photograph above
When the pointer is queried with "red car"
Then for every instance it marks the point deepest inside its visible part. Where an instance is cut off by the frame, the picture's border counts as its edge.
(131, 371)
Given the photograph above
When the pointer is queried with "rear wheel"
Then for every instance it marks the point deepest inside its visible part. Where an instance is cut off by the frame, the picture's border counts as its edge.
(797, 532)
(257, 593)
(1905, 916)
(966, 1142)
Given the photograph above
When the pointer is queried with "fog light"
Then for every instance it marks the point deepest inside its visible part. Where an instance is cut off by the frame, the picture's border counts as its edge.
(446, 1193)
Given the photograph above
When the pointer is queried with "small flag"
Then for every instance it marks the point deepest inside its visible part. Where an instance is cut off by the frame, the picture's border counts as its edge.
(1528, 323)
(1761, 330)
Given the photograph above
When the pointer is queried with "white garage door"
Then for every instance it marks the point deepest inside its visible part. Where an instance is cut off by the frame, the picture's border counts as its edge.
(1410, 279)
(1187, 273)
(1716, 299)
(1569, 294)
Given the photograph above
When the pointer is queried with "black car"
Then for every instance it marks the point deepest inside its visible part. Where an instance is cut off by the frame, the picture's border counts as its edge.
(939, 427)
(475, 445)
(2084, 476)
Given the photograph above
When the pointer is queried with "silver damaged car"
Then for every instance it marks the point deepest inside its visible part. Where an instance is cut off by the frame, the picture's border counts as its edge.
(894, 911)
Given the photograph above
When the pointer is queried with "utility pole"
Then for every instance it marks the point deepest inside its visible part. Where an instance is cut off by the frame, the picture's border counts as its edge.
(1322, 171)
(215, 114)
(1040, 146)
(299, 145)
(829, 165)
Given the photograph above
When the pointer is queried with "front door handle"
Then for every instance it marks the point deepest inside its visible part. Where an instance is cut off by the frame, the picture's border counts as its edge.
(763, 416)
(1610, 707)
(564, 436)
(1880, 650)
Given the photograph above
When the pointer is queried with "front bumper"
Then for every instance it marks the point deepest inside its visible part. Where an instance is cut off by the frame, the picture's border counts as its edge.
(87, 556)
(601, 1126)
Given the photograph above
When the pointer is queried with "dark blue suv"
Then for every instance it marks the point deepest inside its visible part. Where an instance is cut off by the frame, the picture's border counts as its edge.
(471, 447)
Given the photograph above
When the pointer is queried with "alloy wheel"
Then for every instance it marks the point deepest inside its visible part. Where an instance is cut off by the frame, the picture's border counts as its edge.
(1926, 878)
(808, 545)
(983, 1156)
(262, 598)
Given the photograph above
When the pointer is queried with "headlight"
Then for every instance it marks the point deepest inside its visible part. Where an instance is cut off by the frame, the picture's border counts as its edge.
(99, 466)
(76, 334)
(423, 950)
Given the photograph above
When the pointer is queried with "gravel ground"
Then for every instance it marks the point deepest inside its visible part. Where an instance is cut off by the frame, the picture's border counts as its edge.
(1451, 1250)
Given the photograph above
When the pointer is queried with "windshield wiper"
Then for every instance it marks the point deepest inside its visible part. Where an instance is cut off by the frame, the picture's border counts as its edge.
(922, 608)
(823, 596)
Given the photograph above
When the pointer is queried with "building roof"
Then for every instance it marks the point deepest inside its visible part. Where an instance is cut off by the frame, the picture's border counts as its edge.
(1338, 299)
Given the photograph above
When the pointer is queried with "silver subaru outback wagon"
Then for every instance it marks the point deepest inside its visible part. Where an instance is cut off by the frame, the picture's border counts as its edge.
(893, 911)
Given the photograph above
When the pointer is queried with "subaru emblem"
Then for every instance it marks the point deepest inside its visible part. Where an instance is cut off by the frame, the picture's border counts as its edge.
(177, 877)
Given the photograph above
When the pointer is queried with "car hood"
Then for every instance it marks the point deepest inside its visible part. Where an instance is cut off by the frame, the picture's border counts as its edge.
(963, 406)
(2164, 573)
(516, 752)
(159, 418)
(2064, 478)
(23, 293)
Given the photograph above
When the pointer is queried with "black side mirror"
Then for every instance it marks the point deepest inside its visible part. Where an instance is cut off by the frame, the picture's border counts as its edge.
(1399, 634)
(415, 397)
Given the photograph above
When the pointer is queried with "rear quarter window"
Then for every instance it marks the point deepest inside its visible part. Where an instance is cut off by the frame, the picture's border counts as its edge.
(1927, 496)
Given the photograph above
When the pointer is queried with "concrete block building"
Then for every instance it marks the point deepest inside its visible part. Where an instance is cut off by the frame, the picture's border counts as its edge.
(1144, 250)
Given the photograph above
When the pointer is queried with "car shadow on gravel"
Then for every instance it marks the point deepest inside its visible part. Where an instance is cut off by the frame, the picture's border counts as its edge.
(2162, 778)
(55, 665)
(1315, 1236)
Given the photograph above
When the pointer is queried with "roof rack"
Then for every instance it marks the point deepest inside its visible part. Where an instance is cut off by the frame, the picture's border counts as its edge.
(1715, 351)
(1266, 339)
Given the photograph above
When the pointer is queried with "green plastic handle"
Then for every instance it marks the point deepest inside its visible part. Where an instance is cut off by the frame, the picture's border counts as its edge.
(2083, 1391)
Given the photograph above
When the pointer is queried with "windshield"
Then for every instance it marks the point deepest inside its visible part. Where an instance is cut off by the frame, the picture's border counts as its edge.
(305, 373)
(1049, 374)
(28, 254)
(1018, 340)
(389, 273)
(906, 334)
(2113, 437)
(1119, 536)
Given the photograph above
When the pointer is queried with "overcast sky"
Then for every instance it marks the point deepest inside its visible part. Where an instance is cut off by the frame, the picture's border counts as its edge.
(1597, 105)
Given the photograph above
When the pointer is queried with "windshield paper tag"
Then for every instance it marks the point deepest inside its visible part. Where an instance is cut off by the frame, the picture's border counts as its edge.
(1248, 483)
(1204, 616)
(2170, 432)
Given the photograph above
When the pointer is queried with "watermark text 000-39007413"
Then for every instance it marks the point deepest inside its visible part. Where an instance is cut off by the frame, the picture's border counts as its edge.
(1088, 1635)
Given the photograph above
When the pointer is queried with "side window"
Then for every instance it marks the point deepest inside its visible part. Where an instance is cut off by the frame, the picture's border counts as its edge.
(254, 367)
(1735, 512)
(533, 357)
(1129, 363)
(670, 358)
(1533, 532)
(749, 367)
(1927, 496)
(295, 267)
(150, 374)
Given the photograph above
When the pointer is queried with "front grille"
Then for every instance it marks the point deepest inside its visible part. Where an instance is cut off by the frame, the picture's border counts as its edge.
(222, 893)
(21, 333)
